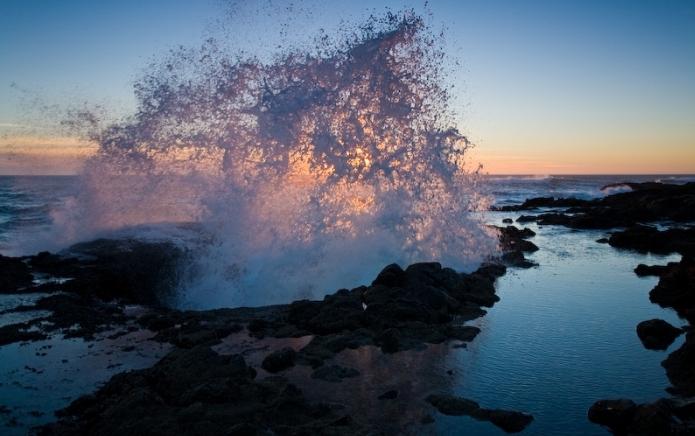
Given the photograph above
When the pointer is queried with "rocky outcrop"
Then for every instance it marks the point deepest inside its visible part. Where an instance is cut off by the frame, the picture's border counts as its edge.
(649, 239)
(196, 391)
(663, 417)
(646, 202)
(657, 334)
(15, 275)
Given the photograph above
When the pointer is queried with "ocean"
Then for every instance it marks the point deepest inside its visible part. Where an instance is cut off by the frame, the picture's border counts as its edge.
(561, 337)
(26, 202)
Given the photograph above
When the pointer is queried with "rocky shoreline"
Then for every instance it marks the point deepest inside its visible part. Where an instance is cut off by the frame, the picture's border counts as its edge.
(195, 389)
(632, 217)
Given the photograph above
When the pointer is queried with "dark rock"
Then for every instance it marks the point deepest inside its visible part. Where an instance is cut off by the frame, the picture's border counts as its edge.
(614, 414)
(517, 259)
(657, 334)
(19, 333)
(389, 395)
(676, 288)
(196, 391)
(509, 421)
(279, 360)
(533, 203)
(334, 373)
(527, 219)
(392, 275)
(451, 405)
(649, 239)
(427, 419)
(626, 417)
(643, 270)
(389, 340)
(680, 368)
(647, 202)
(507, 221)
(602, 240)
(15, 275)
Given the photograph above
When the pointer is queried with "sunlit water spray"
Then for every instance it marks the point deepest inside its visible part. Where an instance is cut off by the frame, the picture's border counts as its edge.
(306, 174)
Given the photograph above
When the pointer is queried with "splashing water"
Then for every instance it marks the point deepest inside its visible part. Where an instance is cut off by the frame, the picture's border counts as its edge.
(308, 173)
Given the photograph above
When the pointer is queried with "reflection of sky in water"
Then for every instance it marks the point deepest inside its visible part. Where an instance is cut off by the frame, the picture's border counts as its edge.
(40, 377)
(562, 336)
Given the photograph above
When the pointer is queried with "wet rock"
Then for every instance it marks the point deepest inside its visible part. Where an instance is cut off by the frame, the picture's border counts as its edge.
(517, 259)
(650, 239)
(657, 334)
(19, 333)
(643, 270)
(334, 373)
(536, 202)
(627, 418)
(279, 360)
(676, 288)
(509, 421)
(527, 219)
(196, 391)
(614, 414)
(602, 240)
(451, 405)
(680, 367)
(15, 275)
(647, 202)
(389, 395)
(507, 221)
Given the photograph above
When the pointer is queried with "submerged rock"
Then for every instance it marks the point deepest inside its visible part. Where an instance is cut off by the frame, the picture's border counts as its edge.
(509, 421)
(657, 334)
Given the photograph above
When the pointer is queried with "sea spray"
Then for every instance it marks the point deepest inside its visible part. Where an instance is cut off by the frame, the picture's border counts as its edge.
(305, 174)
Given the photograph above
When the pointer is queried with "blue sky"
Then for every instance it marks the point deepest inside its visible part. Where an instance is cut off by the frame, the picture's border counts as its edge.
(542, 87)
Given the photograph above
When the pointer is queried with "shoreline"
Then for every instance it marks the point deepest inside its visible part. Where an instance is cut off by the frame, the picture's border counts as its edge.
(338, 321)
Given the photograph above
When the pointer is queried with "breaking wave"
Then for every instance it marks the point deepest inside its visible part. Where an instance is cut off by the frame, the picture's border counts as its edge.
(304, 174)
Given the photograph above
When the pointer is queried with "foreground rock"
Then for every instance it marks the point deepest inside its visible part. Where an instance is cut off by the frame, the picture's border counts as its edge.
(198, 392)
(514, 244)
(663, 417)
(509, 421)
(657, 334)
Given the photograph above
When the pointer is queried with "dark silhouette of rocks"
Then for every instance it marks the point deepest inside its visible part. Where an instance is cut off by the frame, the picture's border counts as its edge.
(509, 421)
(657, 334)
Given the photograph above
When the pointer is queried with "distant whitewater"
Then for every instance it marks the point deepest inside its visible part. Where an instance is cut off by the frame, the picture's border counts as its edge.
(304, 174)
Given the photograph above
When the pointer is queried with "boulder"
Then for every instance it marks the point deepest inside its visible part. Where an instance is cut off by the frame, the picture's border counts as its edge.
(279, 360)
(657, 334)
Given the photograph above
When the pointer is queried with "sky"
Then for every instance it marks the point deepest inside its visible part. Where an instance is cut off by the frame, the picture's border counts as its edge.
(541, 87)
